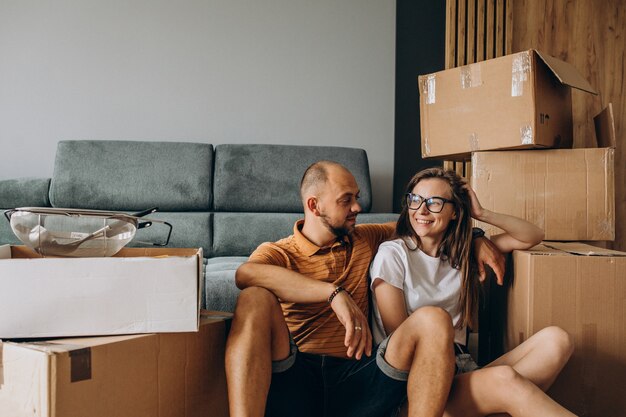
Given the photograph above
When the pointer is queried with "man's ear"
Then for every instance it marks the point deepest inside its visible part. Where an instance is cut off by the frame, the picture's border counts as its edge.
(311, 204)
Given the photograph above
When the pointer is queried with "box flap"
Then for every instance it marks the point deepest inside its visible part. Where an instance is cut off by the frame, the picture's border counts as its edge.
(577, 248)
(605, 128)
(566, 73)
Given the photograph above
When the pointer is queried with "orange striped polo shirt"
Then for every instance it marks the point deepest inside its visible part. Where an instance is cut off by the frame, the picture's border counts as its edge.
(314, 326)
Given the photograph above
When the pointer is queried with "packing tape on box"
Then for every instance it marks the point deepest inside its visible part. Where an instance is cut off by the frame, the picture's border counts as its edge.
(427, 88)
(521, 73)
(426, 148)
(526, 135)
(473, 142)
(470, 76)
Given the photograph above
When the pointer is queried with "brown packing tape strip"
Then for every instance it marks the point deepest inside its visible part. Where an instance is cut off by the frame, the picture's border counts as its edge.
(80, 364)
(589, 356)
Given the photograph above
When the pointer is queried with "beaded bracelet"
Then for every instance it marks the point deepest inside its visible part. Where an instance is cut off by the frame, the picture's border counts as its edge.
(338, 289)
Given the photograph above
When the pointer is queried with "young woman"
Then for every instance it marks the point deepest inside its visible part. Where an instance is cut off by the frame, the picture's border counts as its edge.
(430, 264)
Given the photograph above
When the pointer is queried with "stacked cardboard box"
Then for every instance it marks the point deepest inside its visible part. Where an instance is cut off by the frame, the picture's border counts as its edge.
(166, 375)
(490, 110)
(161, 357)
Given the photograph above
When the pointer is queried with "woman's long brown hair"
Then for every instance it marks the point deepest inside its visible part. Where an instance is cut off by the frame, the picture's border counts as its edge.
(456, 245)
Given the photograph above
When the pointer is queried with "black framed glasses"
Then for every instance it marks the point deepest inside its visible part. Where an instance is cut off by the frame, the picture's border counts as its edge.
(433, 204)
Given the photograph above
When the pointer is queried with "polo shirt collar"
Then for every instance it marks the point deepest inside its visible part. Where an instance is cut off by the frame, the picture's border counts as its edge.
(307, 247)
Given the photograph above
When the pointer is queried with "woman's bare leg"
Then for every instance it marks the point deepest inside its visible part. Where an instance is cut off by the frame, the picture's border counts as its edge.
(514, 383)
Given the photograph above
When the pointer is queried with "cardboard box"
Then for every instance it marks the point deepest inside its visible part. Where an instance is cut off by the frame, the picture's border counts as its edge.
(138, 291)
(518, 101)
(581, 289)
(165, 375)
(569, 193)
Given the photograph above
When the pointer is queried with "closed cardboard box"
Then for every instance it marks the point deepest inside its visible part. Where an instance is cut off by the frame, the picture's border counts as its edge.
(165, 375)
(137, 291)
(581, 289)
(569, 193)
(518, 101)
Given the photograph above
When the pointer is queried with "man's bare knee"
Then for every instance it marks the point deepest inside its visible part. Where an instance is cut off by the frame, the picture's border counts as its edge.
(256, 300)
(259, 315)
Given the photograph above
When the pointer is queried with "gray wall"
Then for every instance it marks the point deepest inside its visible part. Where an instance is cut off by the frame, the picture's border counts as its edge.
(218, 71)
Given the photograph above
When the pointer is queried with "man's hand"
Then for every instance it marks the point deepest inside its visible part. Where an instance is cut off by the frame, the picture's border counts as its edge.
(358, 335)
(488, 254)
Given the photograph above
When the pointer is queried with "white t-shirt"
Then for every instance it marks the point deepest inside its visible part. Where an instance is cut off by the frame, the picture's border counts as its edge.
(426, 281)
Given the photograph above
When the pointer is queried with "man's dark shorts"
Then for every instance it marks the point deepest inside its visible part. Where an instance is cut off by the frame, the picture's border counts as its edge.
(307, 385)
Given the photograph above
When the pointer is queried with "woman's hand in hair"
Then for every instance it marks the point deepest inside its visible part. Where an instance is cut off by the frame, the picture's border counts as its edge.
(477, 211)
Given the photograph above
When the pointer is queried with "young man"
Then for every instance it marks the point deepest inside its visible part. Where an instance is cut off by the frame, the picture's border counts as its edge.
(300, 343)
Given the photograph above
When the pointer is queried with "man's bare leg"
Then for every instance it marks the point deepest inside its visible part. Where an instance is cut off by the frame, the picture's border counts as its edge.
(257, 337)
(423, 344)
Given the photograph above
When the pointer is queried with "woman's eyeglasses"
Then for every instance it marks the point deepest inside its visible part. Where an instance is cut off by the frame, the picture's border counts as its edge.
(433, 204)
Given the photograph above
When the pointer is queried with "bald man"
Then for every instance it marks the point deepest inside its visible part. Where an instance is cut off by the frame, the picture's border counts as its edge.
(300, 342)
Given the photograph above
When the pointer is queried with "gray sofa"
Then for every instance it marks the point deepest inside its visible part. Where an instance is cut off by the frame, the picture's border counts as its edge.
(226, 199)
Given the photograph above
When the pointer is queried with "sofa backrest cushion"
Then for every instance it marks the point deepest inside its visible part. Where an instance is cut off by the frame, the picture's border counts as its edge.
(266, 178)
(24, 192)
(189, 230)
(239, 234)
(132, 175)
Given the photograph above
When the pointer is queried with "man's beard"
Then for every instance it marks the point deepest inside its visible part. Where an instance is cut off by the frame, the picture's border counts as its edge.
(338, 231)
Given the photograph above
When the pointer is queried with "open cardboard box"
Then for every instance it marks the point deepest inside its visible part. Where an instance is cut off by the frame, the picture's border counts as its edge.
(518, 101)
(581, 289)
(165, 375)
(139, 290)
(569, 193)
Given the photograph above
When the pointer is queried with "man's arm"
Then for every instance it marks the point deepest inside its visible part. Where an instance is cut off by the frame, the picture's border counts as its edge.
(286, 284)
(488, 254)
(294, 287)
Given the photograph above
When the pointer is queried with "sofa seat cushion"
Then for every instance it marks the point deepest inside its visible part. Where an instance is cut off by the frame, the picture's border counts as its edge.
(132, 175)
(219, 290)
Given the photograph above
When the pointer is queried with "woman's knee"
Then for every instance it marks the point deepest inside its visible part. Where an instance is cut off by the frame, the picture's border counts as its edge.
(432, 321)
(506, 380)
(557, 340)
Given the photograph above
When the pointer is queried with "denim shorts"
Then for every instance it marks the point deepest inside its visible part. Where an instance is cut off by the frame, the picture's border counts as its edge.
(308, 385)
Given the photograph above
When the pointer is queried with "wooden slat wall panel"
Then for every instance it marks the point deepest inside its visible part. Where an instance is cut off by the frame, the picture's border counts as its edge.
(461, 31)
(508, 21)
(591, 36)
(481, 16)
(450, 53)
(490, 29)
(476, 30)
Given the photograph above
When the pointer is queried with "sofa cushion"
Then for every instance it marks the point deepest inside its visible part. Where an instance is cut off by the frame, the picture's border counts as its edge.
(219, 290)
(131, 175)
(266, 178)
(238, 234)
(189, 230)
(24, 192)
